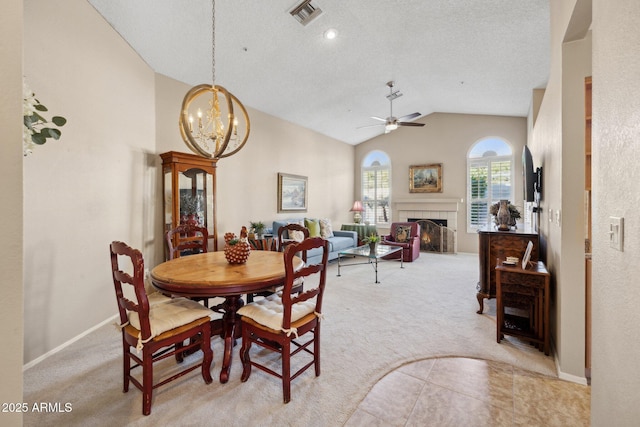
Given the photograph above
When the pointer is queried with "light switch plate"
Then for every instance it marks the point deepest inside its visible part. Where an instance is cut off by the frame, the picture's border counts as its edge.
(616, 232)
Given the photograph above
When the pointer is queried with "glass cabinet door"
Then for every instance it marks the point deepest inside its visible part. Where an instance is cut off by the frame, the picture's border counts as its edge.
(189, 192)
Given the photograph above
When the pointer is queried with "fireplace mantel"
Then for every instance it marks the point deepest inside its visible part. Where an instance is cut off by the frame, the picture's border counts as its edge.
(428, 204)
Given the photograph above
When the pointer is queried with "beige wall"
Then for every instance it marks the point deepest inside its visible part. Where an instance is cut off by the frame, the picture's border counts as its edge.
(569, 307)
(446, 139)
(11, 256)
(557, 144)
(557, 134)
(92, 186)
(616, 150)
(101, 181)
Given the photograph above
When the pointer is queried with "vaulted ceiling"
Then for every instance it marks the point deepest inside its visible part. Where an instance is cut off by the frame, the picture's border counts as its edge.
(453, 56)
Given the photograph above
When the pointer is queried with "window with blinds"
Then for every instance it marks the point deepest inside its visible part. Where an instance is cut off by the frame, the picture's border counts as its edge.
(376, 188)
(490, 179)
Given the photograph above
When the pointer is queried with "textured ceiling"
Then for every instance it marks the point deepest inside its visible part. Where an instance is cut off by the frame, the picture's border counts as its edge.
(453, 56)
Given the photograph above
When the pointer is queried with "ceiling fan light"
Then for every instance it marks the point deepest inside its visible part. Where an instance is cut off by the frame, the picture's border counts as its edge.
(390, 126)
(331, 34)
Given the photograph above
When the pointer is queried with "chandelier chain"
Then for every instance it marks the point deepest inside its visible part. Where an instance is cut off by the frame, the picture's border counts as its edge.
(213, 42)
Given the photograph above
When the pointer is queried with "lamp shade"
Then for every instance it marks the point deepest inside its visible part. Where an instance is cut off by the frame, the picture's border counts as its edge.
(357, 206)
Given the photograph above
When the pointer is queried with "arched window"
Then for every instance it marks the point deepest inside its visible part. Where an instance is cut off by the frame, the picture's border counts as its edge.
(489, 179)
(376, 187)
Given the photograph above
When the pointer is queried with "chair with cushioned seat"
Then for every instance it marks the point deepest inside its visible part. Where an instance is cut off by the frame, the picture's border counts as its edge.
(300, 233)
(155, 331)
(280, 320)
(405, 235)
(282, 243)
(188, 239)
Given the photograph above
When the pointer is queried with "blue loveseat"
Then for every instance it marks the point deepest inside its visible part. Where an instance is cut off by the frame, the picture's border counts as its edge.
(340, 240)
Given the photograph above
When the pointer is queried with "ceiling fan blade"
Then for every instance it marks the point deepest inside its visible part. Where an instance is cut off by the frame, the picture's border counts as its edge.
(379, 118)
(409, 117)
(370, 126)
(410, 124)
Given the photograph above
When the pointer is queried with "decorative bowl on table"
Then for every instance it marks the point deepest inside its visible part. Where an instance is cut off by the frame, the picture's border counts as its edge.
(237, 251)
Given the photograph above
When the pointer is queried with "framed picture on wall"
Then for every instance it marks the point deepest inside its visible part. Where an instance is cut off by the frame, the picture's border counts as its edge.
(292, 193)
(425, 178)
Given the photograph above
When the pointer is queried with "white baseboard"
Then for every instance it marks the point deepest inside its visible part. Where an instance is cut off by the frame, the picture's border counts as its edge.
(68, 343)
(563, 375)
(572, 378)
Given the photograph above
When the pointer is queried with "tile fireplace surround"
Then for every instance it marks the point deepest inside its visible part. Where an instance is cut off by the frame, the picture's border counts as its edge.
(428, 208)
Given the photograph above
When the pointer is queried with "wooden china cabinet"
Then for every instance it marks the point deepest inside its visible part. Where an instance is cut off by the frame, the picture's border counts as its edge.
(189, 192)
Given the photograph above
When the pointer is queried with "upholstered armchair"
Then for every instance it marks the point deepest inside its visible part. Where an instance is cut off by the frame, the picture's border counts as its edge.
(405, 235)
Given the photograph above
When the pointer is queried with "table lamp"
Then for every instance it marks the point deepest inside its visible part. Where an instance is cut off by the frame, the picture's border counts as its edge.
(357, 208)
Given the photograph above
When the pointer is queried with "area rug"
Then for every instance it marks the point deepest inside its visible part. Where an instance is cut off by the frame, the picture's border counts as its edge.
(426, 309)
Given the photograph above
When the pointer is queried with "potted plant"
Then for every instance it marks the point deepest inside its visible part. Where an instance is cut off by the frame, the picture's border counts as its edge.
(190, 207)
(257, 228)
(372, 241)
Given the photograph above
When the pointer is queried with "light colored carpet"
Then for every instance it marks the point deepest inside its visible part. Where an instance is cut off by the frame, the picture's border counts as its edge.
(425, 310)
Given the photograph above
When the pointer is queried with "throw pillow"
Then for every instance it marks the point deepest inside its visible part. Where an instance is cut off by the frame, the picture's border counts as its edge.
(402, 233)
(314, 227)
(326, 230)
(296, 235)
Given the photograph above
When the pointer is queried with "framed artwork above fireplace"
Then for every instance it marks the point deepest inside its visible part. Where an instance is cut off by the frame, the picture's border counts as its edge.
(425, 178)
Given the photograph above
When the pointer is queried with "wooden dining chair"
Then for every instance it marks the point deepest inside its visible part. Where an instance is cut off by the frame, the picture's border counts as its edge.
(156, 331)
(282, 243)
(298, 285)
(187, 239)
(280, 320)
(291, 233)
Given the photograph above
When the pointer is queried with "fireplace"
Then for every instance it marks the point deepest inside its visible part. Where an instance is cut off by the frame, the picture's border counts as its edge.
(435, 236)
(440, 222)
(442, 217)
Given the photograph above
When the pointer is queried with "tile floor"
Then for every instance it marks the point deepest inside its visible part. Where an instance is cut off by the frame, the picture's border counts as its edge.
(457, 391)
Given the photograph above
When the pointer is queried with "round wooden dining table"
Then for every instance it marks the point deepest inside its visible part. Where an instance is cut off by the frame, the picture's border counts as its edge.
(210, 275)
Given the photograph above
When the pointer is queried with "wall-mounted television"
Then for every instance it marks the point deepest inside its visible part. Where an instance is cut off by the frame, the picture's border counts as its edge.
(531, 177)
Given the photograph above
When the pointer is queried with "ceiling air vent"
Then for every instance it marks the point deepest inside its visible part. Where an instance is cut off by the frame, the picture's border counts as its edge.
(305, 12)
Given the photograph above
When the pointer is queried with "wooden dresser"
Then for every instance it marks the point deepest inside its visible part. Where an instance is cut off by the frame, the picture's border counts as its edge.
(500, 244)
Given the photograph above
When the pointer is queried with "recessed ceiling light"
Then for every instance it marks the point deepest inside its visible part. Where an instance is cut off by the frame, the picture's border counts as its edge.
(330, 34)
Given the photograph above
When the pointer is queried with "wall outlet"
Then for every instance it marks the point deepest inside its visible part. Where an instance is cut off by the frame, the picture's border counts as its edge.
(616, 232)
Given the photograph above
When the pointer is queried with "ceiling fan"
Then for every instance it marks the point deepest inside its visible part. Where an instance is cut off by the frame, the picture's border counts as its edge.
(391, 122)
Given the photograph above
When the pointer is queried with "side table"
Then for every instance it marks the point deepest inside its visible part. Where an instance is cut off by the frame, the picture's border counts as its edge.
(526, 291)
(265, 243)
(363, 230)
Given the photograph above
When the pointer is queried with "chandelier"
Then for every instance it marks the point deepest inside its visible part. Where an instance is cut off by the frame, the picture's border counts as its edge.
(213, 122)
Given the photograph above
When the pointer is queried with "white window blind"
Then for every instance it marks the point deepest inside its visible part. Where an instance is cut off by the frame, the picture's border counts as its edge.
(375, 195)
(376, 188)
(490, 179)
